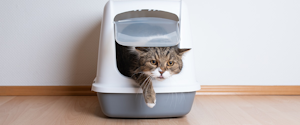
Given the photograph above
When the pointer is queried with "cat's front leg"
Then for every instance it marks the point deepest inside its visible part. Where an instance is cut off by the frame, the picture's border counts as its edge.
(149, 94)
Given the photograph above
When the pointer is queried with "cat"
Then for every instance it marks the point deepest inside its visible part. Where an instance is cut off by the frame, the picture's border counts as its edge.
(144, 64)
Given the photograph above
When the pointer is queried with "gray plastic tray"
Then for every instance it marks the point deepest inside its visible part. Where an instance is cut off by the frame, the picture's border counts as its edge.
(127, 105)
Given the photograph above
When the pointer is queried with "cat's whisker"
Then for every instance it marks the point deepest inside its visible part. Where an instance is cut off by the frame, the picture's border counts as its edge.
(137, 73)
(134, 76)
(148, 84)
(137, 69)
(141, 85)
(144, 82)
(147, 87)
(144, 85)
(139, 77)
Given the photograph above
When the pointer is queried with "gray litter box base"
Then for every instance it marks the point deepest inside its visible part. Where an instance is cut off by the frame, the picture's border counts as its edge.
(127, 105)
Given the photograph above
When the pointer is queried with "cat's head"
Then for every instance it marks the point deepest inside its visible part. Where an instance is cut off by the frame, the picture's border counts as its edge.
(160, 62)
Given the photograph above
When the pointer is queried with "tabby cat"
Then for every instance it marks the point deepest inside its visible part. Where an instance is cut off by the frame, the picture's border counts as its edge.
(144, 64)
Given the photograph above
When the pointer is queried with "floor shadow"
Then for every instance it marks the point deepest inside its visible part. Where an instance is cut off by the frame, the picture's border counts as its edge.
(98, 111)
(88, 105)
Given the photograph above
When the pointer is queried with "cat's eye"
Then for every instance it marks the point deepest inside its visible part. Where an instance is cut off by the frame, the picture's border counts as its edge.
(153, 62)
(170, 63)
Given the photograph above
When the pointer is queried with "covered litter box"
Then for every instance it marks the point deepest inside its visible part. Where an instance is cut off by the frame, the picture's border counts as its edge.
(127, 23)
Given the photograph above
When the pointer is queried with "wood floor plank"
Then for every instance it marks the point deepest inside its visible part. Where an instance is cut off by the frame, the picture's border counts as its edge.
(286, 106)
(79, 110)
(221, 114)
(206, 110)
(285, 103)
(56, 112)
(12, 110)
(199, 114)
(240, 116)
(264, 105)
(253, 111)
(4, 99)
(39, 106)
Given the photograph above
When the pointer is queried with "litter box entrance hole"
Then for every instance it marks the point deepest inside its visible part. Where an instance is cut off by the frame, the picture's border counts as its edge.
(142, 28)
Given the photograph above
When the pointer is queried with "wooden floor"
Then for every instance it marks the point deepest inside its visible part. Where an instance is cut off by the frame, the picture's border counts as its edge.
(206, 110)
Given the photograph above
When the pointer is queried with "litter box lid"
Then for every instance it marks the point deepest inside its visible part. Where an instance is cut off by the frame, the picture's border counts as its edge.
(147, 32)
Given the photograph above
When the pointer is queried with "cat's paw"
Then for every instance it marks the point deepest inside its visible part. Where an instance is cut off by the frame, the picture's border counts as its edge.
(151, 105)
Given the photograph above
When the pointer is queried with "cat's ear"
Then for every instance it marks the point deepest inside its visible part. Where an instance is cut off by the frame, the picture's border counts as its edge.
(182, 51)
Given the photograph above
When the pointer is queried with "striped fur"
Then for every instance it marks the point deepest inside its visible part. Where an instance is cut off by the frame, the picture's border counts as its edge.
(136, 63)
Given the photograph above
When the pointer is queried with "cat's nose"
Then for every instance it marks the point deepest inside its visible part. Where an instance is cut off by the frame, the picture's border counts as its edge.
(161, 72)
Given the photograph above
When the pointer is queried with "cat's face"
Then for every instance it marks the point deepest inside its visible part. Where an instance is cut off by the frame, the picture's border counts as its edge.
(160, 62)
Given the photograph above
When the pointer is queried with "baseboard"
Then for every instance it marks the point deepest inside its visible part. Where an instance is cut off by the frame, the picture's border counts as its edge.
(248, 90)
(47, 90)
(205, 90)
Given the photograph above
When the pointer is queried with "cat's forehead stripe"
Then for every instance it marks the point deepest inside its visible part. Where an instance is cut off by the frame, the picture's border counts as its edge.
(157, 53)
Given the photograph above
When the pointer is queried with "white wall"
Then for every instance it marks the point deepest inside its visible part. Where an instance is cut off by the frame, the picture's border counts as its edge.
(236, 42)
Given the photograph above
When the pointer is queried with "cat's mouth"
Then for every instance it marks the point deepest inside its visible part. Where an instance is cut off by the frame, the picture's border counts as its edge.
(160, 77)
